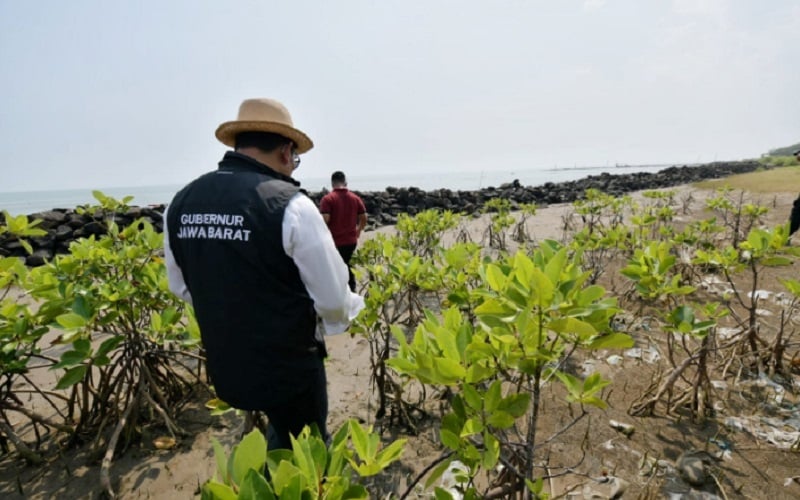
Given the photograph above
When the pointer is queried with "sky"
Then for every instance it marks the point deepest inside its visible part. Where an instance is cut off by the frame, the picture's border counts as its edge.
(111, 93)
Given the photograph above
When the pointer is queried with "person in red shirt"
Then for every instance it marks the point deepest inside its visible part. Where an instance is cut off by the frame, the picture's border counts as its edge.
(794, 217)
(346, 216)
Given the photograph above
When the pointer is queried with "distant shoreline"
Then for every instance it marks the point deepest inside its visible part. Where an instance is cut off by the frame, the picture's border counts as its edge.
(617, 166)
(29, 202)
(383, 207)
(545, 192)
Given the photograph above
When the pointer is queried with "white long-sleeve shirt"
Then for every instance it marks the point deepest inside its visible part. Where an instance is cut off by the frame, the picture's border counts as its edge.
(308, 242)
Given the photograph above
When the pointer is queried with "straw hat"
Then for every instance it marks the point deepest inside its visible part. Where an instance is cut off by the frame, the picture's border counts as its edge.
(263, 115)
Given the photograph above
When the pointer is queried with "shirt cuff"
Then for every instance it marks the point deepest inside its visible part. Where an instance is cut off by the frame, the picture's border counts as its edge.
(356, 304)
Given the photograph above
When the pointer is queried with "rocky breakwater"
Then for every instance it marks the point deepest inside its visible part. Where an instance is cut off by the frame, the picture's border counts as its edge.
(383, 207)
(65, 225)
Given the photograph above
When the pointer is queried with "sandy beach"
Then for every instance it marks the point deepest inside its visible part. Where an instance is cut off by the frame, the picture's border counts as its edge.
(147, 472)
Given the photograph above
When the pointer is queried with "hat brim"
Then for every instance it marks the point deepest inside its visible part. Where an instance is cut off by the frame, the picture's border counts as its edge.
(226, 133)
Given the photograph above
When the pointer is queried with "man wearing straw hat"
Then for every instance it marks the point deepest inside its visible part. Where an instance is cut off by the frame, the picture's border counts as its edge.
(254, 257)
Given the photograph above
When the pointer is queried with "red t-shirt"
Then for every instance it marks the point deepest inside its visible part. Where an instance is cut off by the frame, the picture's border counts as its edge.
(343, 208)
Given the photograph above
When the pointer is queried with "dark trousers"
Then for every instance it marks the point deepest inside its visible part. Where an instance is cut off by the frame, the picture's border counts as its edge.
(310, 407)
(346, 251)
(794, 218)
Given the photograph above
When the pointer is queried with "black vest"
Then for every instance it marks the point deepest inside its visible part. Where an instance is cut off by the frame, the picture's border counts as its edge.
(256, 318)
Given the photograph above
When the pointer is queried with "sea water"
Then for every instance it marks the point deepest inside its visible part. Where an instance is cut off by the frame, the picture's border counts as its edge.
(29, 202)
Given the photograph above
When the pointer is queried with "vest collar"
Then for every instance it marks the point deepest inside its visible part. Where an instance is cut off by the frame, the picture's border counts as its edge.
(237, 161)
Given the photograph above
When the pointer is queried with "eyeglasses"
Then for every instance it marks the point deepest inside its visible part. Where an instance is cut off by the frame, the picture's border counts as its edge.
(295, 158)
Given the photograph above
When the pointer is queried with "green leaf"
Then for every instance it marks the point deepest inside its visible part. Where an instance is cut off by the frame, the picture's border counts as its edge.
(500, 420)
(71, 321)
(217, 491)
(109, 344)
(491, 454)
(360, 440)
(682, 314)
(391, 453)
(594, 401)
(572, 383)
(459, 410)
(793, 286)
(523, 267)
(303, 459)
(81, 307)
(594, 383)
(274, 459)
(218, 406)
(288, 481)
(556, 265)
(27, 246)
(776, 261)
(493, 307)
(572, 326)
(83, 346)
(155, 321)
(493, 321)
(515, 404)
(222, 461)
(441, 494)
(337, 449)
(471, 427)
(612, 341)
(99, 196)
(9, 347)
(472, 398)
(250, 453)
(355, 492)
(449, 370)
(446, 340)
(72, 377)
(192, 327)
(492, 397)
(591, 293)
(477, 373)
(70, 358)
(255, 487)
(536, 487)
(495, 277)
(542, 288)
(437, 473)
(402, 365)
(101, 360)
